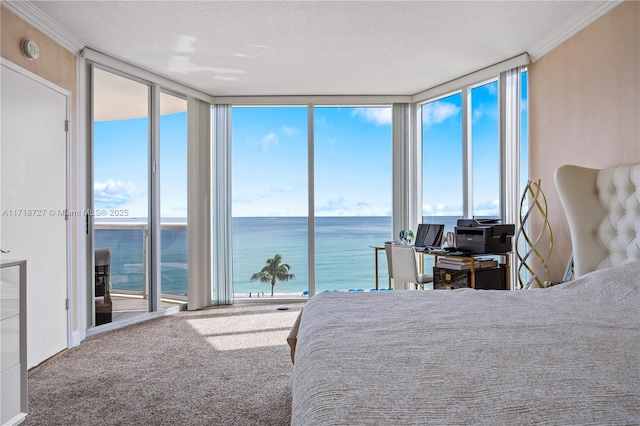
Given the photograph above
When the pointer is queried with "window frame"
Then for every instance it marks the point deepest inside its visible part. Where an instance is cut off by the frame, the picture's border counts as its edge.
(90, 59)
(324, 102)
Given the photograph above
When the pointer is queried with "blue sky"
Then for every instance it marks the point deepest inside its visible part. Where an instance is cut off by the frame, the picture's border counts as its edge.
(352, 160)
(121, 165)
(442, 154)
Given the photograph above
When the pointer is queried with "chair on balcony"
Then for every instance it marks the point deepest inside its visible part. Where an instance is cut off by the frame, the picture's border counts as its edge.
(403, 266)
(103, 304)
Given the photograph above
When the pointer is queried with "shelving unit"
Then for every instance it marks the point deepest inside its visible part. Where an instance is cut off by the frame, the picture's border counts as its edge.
(13, 325)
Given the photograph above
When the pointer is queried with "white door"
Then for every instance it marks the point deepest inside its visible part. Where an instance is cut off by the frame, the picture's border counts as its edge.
(33, 171)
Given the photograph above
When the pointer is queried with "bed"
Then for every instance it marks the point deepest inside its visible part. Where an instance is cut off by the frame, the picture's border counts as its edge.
(568, 354)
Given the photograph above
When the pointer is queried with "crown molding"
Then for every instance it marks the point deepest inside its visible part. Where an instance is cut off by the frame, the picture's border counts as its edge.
(39, 20)
(577, 22)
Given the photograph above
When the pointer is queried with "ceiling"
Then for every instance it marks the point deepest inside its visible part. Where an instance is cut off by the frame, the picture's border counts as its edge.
(251, 48)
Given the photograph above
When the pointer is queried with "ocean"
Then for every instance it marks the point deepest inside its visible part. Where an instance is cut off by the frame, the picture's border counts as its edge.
(343, 246)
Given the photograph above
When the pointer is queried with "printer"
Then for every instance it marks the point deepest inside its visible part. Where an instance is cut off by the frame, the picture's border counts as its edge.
(484, 236)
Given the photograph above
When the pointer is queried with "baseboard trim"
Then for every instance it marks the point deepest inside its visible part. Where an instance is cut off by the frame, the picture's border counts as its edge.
(76, 339)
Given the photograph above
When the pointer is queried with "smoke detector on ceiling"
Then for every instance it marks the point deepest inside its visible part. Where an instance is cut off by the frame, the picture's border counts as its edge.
(30, 49)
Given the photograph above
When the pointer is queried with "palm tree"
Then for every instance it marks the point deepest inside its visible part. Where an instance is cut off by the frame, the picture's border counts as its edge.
(273, 271)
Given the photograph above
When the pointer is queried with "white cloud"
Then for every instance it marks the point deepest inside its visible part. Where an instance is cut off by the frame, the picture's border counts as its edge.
(378, 116)
(441, 209)
(338, 206)
(482, 110)
(477, 114)
(268, 140)
(437, 112)
(113, 193)
(321, 120)
(289, 131)
(333, 205)
(487, 209)
(281, 189)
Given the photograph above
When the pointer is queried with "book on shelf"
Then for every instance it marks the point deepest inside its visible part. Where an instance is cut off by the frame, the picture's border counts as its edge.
(456, 260)
(462, 260)
(466, 265)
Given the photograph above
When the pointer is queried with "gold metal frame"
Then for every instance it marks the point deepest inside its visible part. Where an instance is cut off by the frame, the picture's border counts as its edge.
(538, 204)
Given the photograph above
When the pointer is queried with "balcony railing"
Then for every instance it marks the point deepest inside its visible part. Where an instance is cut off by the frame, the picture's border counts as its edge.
(129, 241)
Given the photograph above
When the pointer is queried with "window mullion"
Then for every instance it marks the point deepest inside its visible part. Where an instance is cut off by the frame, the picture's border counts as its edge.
(467, 164)
(415, 140)
(311, 263)
(153, 257)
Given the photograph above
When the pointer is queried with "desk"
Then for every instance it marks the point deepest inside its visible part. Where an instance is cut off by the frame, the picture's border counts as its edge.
(472, 258)
(472, 270)
(376, 250)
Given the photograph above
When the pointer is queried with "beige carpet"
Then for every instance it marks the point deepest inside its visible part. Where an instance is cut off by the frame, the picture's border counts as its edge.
(218, 366)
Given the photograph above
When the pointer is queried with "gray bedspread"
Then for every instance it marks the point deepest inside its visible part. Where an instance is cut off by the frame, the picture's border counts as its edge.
(569, 354)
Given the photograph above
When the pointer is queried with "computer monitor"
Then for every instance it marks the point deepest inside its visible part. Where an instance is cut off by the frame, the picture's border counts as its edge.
(429, 235)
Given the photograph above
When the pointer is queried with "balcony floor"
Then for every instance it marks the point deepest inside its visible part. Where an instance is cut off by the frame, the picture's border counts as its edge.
(126, 307)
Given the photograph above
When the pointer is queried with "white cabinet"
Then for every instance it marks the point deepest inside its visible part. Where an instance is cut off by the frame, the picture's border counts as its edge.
(13, 342)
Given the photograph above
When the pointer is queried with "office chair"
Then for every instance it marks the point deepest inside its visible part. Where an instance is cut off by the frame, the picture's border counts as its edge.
(403, 265)
(387, 250)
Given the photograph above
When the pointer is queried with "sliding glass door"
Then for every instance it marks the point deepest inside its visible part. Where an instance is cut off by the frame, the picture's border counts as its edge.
(127, 156)
(120, 194)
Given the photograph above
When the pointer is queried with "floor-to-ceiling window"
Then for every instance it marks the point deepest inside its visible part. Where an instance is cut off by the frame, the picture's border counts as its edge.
(173, 196)
(485, 147)
(442, 165)
(524, 165)
(449, 156)
(442, 161)
(124, 157)
(524, 130)
(120, 188)
(463, 161)
(352, 195)
(352, 198)
(270, 201)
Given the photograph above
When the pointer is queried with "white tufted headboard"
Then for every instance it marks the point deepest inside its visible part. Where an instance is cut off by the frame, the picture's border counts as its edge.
(603, 210)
